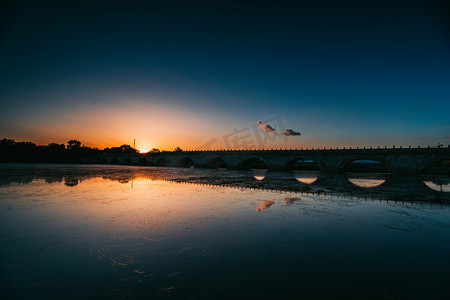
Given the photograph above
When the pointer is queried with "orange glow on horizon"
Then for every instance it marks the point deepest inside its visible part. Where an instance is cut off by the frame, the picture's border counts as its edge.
(152, 126)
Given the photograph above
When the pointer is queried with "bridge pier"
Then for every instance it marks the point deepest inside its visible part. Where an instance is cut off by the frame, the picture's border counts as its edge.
(330, 169)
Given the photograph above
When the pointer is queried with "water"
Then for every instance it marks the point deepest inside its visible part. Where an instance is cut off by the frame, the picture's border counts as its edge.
(69, 231)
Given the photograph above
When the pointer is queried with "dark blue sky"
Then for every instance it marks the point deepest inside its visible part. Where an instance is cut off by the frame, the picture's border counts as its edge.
(182, 72)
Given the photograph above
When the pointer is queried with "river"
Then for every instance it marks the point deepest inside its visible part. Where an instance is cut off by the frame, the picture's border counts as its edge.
(97, 231)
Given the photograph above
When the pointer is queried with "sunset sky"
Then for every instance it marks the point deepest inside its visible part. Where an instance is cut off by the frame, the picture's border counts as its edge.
(189, 73)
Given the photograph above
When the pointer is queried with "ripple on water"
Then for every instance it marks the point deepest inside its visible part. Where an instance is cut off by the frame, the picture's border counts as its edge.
(124, 260)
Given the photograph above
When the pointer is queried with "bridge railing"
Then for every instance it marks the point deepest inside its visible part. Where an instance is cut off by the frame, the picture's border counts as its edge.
(307, 149)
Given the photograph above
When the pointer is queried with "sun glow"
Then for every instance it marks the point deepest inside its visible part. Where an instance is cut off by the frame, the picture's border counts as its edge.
(142, 150)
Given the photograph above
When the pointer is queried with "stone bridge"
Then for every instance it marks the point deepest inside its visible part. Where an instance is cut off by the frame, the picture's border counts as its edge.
(396, 160)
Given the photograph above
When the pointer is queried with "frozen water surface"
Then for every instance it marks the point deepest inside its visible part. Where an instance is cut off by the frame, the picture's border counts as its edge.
(74, 231)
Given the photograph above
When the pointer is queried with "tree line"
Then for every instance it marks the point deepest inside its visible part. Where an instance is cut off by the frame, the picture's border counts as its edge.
(73, 152)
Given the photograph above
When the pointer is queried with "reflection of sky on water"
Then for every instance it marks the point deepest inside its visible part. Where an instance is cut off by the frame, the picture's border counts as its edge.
(259, 174)
(307, 180)
(151, 238)
(366, 182)
(438, 187)
(307, 177)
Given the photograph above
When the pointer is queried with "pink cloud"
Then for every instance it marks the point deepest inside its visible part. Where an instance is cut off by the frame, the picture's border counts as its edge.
(265, 127)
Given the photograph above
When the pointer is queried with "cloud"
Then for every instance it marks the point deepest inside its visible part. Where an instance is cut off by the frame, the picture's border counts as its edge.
(288, 132)
(265, 205)
(265, 127)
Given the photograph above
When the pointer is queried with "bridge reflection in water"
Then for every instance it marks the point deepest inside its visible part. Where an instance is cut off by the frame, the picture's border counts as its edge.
(441, 186)
(259, 174)
(366, 182)
(307, 177)
(363, 185)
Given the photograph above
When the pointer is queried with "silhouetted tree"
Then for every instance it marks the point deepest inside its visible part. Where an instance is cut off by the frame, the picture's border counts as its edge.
(53, 152)
(56, 147)
(6, 142)
(122, 149)
(7, 146)
(154, 150)
(11, 150)
(25, 148)
(26, 144)
(177, 149)
(128, 149)
(73, 144)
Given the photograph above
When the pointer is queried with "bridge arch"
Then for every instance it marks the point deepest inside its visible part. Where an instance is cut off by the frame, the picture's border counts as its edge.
(142, 162)
(162, 162)
(127, 161)
(366, 164)
(440, 184)
(114, 161)
(253, 162)
(216, 163)
(102, 161)
(436, 165)
(186, 162)
(301, 163)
